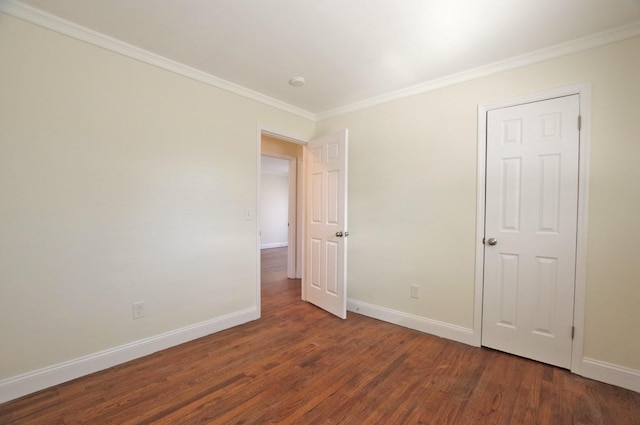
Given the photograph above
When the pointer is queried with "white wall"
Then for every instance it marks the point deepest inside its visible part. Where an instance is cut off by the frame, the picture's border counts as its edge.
(412, 196)
(119, 182)
(274, 209)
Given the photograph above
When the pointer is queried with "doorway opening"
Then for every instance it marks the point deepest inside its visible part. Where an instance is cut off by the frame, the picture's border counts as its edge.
(280, 202)
(320, 253)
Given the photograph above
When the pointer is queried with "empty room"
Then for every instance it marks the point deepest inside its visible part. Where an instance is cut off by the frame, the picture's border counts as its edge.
(462, 212)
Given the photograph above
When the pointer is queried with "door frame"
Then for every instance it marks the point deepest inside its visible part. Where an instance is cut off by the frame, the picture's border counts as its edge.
(584, 92)
(300, 202)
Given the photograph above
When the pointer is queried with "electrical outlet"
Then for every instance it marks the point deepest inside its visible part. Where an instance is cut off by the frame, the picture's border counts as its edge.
(138, 310)
(415, 291)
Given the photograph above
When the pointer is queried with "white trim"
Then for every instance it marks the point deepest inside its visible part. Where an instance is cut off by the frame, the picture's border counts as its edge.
(559, 50)
(292, 227)
(258, 229)
(580, 296)
(31, 382)
(609, 373)
(278, 134)
(303, 263)
(62, 26)
(273, 245)
(418, 323)
(584, 92)
(299, 217)
(480, 209)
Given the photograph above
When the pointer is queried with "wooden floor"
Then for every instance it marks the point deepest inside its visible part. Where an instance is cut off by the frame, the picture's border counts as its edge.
(299, 365)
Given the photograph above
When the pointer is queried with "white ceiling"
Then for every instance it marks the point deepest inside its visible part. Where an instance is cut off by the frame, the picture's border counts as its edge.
(348, 50)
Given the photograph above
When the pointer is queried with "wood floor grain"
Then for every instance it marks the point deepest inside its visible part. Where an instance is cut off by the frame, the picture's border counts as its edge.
(300, 365)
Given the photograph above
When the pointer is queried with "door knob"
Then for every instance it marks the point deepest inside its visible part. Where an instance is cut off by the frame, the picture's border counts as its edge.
(492, 241)
(339, 234)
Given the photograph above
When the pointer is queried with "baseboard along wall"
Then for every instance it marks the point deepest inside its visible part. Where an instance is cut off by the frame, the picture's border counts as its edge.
(273, 245)
(597, 370)
(31, 382)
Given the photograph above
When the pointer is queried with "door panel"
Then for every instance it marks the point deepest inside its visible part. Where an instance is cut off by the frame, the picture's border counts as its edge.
(325, 277)
(531, 210)
(508, 290)
(315, 269)
(511, 172)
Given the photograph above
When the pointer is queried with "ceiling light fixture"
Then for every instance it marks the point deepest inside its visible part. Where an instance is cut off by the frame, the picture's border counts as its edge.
(297, 81)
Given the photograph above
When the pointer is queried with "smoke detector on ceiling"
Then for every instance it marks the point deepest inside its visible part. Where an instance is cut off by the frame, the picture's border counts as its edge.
(297, 81)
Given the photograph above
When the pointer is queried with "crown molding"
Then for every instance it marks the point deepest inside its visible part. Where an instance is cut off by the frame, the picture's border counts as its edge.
(62, 26)
(563, 49)
(38, 17)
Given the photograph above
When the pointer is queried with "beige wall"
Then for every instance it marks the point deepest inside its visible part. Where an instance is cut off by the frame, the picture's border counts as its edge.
(412, 196)
(119, 182)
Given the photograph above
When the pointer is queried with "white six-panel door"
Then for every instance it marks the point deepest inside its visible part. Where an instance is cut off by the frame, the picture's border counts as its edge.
(530, 229)
(326, 223)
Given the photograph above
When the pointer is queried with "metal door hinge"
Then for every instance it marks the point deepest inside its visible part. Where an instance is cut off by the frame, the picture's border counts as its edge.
(579, 122)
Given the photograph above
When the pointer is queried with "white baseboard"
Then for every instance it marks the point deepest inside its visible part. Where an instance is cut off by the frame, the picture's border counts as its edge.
(273, 245)
(597, 370)
(609, 373)
(422, 324)
(31, 382)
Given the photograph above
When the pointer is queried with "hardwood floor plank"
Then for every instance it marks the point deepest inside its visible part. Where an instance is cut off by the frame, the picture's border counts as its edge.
(301, 365)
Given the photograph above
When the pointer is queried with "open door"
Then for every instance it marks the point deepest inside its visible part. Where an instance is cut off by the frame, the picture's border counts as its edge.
(326, 223)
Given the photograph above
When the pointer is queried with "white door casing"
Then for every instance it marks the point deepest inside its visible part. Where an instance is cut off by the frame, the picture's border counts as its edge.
(292, 227)
(325, 278)
(532, 169)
